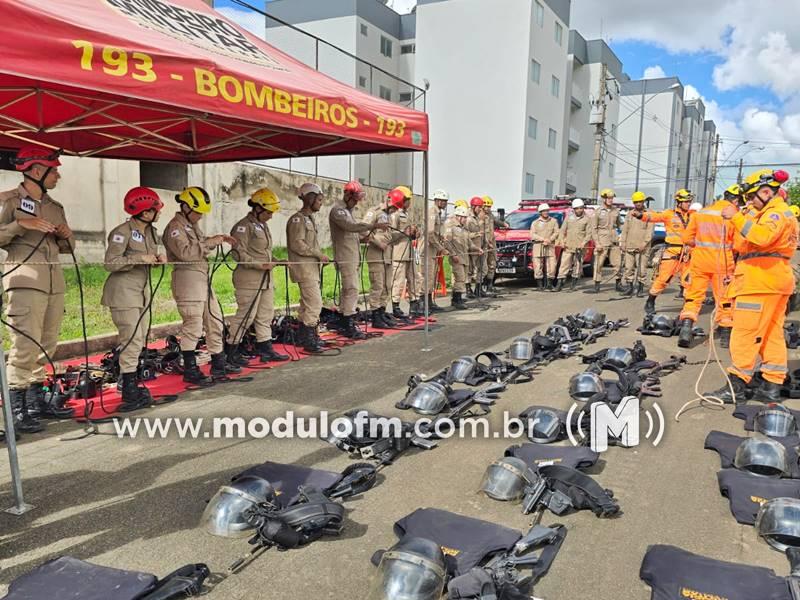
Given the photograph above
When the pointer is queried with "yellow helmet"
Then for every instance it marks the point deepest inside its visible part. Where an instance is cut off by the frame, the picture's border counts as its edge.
(755, 181)
(638, 197)
(795, 210)
(683, 195)
(195, 198)
(266, 199)
(461, 202)
(406, 192)
(487, 201)
(734, 190)
(607, 193)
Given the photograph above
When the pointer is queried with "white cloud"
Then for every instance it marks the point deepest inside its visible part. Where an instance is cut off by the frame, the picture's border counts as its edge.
(654, 72)
(251, 21)
(402, 6)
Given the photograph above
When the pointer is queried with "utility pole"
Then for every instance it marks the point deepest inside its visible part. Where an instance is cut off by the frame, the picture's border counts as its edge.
(599, 122)
(641, 127)
(739, 176)
(713, 179)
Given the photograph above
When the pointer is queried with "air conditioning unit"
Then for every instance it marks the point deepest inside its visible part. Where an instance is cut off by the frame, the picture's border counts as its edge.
(596, 115)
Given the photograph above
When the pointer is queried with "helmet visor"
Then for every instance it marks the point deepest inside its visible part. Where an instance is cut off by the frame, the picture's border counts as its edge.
(619, 357)
(505, 479)
(544, 426)
(227, 513)
(428, 398)
(461, 369)
(408, 576)
(762, 456)
(521, 349)
(778, 522)
(775, 422)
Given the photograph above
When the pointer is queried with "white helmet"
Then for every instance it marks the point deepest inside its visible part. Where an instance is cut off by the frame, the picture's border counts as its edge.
(441, 195)
(578, 203)
(543, 206)
(461, 212)
(309, 188)
(695, 206)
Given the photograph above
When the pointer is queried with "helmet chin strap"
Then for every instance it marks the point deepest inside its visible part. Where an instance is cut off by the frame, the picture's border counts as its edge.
(140, 217)
(39, 182)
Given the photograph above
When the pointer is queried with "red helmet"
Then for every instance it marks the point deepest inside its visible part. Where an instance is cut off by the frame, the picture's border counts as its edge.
(354, 187)
(476, 201)
(397, 199)
(30, 155)
(140, 199)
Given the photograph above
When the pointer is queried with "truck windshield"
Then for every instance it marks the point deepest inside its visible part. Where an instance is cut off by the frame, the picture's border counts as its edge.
(522, 219)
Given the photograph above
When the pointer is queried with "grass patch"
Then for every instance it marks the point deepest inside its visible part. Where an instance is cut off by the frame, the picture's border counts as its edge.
(98, 317)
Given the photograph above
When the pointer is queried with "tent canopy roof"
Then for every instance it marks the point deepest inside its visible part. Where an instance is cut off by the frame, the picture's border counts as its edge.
(172, 80)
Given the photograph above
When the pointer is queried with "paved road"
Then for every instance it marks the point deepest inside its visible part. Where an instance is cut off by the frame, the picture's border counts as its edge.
(136, 503)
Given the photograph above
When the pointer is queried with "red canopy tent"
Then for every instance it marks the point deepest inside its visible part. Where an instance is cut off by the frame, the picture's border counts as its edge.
(175, 81)
(172, 80)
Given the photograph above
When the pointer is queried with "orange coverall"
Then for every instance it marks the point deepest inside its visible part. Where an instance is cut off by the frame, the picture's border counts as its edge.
(671, 264)
(711, 240)
(762, 284)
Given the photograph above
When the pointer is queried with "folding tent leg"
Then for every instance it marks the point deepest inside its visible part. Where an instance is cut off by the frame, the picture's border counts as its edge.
(19, 508)
(426, 285)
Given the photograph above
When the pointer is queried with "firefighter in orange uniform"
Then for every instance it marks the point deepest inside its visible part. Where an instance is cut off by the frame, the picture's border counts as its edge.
(674, 254)
(711, 241)
(762, 283)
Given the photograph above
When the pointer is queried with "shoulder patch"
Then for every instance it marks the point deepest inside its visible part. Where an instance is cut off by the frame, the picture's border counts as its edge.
(136, 236)
(341, 211)
(241, 228)
(117, 238)
(775, 217)
(258, 227)
(175, 233)
(295, 219)
(27, 205)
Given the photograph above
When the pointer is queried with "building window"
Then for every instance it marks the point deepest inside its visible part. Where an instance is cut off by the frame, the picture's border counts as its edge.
(536, 71)
(362, 81)
(533, 127)
(386, 46)
(611, 169)
(529, 180)
(548, 189)
(408, 49)
(405, 96)
(363, 29)
(551, 138)
(162, 175)
(555, 86)
(538, 13)
(559, 34)
(362, 180)
(385, 93)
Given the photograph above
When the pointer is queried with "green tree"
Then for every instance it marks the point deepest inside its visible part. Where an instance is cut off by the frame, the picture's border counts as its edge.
(793, 189)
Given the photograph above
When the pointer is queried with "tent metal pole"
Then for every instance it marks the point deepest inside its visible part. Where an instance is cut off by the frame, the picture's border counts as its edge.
(426, 286)
(19, 507)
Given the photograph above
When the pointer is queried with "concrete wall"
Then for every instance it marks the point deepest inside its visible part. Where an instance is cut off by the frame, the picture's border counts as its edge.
(91, 191)
(477, 101)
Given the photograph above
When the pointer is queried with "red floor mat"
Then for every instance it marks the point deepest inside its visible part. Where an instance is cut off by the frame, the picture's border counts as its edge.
(165, 385)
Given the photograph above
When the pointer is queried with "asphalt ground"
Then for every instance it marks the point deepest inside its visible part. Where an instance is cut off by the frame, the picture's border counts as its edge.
(136, 503)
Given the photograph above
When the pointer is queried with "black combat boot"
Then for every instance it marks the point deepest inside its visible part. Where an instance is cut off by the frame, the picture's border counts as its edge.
(540, 284)
(458, 301)
(618, 287)
(650, 305)
(640, 290)
(627, 291)
(470, 293)
(46, 406)
(396, 312)
(23, 422)
(309, 340)
(596, 289)
(234, 355)
(432, 306)
(132, 397)
(573, 284)
(724, 393)
(191, 372)
(685, 336)
(266, 353)
(220, 368)
(352, 330)
(768, 392)
(378, 322)
(560, 286)
(724, 336)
